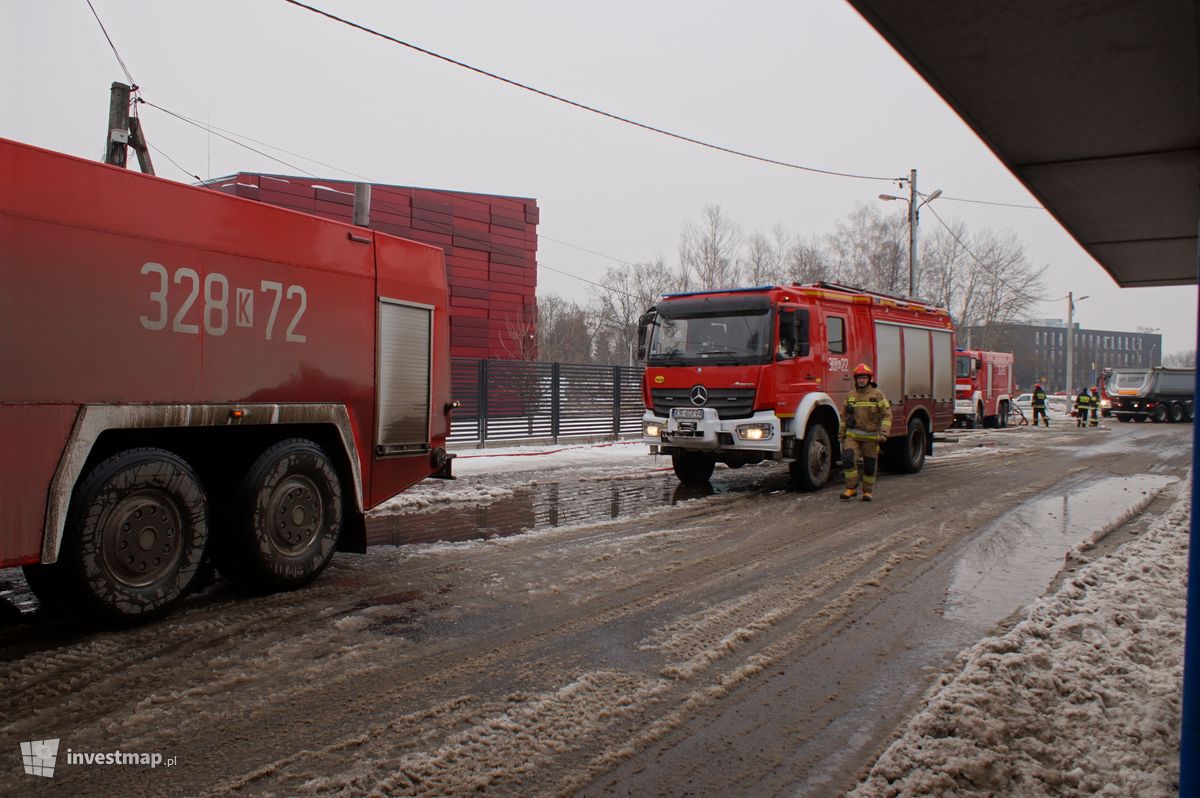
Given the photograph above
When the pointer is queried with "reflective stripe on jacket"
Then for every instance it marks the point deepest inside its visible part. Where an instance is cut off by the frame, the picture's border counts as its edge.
(868, 414)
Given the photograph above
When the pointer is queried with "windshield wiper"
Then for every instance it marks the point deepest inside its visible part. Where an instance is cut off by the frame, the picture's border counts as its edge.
(674, 356)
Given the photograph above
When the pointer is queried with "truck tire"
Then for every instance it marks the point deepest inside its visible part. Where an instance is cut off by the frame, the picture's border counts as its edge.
(1139, 418)
(907, 454)
(1175, 413)
(810, 470)
(1124, 419)
(135, 537)
(1159, 414)
(285, 521)
(693, 468)
(1187, 411)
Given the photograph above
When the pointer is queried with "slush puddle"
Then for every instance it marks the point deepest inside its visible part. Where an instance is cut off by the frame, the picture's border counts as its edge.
(1015, 558)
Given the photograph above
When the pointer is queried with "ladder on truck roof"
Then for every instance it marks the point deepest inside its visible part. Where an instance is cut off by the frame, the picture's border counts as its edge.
(854, 289)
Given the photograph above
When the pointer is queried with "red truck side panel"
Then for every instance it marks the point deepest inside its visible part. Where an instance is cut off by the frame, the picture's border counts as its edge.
(414, 272)
(117, 288)
(34, 436)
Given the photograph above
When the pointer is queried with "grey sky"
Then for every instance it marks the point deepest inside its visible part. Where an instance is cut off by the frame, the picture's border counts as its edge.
(805, 82)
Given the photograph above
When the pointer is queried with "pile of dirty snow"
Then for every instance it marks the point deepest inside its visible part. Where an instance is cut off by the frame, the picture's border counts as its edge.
(1081, 697)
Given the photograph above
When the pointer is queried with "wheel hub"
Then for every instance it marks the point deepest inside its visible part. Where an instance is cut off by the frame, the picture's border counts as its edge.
(141, 540)
(297, 514)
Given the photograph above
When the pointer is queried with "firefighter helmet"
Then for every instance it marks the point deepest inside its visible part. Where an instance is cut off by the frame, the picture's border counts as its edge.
(1037, 387)
(862, 370)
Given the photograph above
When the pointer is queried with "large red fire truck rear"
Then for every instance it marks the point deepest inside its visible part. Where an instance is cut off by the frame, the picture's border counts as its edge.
(756, 374)
(983, 387)
(185, 375)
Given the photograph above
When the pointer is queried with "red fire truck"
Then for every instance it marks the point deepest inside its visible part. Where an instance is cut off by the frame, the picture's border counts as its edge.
(748, 375)
(185, 375)
(983, 388)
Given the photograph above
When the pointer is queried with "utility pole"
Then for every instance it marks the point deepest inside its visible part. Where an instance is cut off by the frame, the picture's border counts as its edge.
(123, 131)
(1070, 343)
(362, 204)
(912, 232)
(117, 141)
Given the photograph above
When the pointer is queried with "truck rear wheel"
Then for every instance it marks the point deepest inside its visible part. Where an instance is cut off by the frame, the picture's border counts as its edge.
(286, 519)
(135, 537)
(1175, 414)
(810, 470)
(907, 455)
(693, 468)
(1159, 414)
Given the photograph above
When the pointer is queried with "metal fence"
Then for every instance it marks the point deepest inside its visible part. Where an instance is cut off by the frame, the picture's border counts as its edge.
(514, 400)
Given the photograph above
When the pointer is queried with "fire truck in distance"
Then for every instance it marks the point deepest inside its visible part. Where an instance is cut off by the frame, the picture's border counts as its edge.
(747, 375)
(983, 388)
(187, 375)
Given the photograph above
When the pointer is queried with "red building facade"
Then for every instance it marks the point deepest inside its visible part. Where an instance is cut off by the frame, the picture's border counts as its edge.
(490, 243)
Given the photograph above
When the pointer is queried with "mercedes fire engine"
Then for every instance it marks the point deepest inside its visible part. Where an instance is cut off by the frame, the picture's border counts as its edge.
(185, 375)
(747, 375)
(983, 388)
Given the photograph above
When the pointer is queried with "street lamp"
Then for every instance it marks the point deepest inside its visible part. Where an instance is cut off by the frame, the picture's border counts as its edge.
(1143, 331)
(1071, 300)
(913, 217)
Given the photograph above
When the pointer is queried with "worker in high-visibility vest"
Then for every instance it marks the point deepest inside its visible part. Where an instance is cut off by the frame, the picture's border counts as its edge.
(866, 422)
(1039, 405)
(1083, 401)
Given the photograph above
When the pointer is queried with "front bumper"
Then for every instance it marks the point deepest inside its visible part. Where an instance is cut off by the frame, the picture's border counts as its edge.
(964, 407)
(710, 434)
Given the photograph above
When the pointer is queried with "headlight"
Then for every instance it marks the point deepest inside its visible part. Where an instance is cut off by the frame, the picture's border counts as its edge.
(755, 432)
(651, 429)
(1105, 403)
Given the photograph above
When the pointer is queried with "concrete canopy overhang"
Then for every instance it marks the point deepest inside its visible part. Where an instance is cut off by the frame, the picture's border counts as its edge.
(1094, 106)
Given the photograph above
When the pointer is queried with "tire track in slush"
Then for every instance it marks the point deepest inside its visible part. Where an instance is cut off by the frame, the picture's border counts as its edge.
(699, 568)
(653, 690)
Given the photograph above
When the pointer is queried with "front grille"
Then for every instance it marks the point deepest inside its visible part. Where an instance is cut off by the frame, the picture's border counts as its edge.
(728, 402)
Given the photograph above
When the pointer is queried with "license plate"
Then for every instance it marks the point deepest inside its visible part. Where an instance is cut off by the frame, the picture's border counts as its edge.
(687, 412)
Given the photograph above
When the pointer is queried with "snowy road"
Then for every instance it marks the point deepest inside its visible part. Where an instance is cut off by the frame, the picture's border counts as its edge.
(637, 640)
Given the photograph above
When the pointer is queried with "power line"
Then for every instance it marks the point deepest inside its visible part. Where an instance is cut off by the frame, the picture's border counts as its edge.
(589, 251)
(172, 160)
(982, 265)
(227, 138)
(214, 128)
(986, 202)
(120, 60)
(580, 105)
(445, 228)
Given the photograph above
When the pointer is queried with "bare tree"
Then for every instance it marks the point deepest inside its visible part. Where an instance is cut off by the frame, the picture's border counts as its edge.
(566, 330)
(708, 252)
(807, 262)
(870, 250)
(1183, 359)
(625, 294)
(765, 259)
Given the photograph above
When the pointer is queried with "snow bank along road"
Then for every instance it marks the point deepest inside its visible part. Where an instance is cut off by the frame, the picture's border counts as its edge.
(755, 641)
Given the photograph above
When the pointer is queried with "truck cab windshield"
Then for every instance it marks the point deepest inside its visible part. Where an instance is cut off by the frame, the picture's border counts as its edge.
(742, 338)
(962, 366)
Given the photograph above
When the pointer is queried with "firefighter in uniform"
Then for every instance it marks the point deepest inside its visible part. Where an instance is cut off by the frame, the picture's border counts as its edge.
(866, 421)
(1039, 405)
(1094, 421)
(1083, 401)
